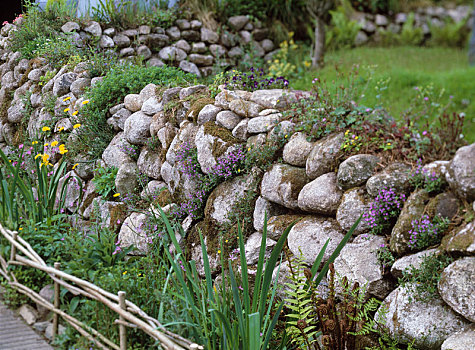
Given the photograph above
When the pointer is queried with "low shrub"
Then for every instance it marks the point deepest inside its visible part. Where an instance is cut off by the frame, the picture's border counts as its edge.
(342, 32)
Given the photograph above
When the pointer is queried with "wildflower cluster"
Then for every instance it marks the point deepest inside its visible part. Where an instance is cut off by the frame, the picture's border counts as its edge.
(281, 63)
(385, 257)
(421, 178)
(425, 233)
(254, 80)
(133, 151)
(384, 210)
(352, 142)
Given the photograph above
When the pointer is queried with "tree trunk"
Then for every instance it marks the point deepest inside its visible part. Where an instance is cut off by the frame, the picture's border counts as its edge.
(319, 50)
(471, 45)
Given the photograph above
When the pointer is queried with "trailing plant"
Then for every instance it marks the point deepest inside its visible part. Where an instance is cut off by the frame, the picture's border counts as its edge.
(422, 282)
(384, 210)
(421, 178)
(425, 233)
(104, 181)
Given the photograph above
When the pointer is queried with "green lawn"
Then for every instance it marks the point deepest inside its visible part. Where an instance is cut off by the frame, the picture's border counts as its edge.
(407, 67)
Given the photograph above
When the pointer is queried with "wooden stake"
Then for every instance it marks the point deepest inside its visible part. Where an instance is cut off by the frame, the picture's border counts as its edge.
(57, 266)
(13, 251)
(122, 327)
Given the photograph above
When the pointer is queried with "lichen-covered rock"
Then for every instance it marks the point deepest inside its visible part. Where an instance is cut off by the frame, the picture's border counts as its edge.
(228, 119)
(109, 214)
(170, 53)
(152, 106)
(126, 178)
(137, 128)
(121, 40)
(358, 262)
(297, 150)
(273, 98)
(240, 131)
(208, 114)
(262, 208)
(186, 135)
(201, 60)
(132, 233)
(106, 42)
(133, 102)
(253, 247)
(94, 29)
(428, 324)
(209, 36)
(309, 235)
(408, 261)
(149, 163)
(323, 157)
(279, 223)
(190, 67)
(460, 340)
(72, 192)
(456, 287)
(282, 185)
(461, 174)
(412, 210)
(166, 135)
(63, 83)
(263, 123)
(463, 242)
(355, 170)
(320, 195)
(191, 90)
(237, 22)
(395, 176)
(117, 120)
(445, 205)
(69, 27)
(245, 108)
(353, 204)
(16, 112)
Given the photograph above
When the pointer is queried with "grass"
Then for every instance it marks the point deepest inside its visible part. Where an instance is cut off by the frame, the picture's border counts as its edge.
(446, 69)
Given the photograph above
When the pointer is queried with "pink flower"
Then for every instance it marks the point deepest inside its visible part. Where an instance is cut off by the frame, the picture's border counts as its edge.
(426, 98)
(5, 22)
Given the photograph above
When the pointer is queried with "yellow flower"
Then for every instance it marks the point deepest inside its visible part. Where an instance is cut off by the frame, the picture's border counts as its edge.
(249, 149)
(61, 128)
(75, 126)
(116, 195)
(54, 143)
(62, 149)
(45, 128)
(356, 137)
(389, 143)
(124, 272)
(75, 112)
(67, 109)
(85, 102)
(21, 228)
(45, 158)
(306, 64)
(34, 142)
(75, 165)
(286, 136)
(226, 241)
(38, 155)
(67, 98)
(346, 132)
(219, 251)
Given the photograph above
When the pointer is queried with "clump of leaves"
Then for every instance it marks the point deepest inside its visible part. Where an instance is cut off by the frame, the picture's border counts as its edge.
(104, 181)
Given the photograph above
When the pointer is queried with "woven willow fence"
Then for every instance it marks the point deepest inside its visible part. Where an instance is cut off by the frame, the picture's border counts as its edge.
(130, 315)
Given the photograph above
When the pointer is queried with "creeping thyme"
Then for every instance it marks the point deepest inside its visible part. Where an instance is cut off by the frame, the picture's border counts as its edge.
(254, 80)
(384, 210)
(425, 233)
(421, 178)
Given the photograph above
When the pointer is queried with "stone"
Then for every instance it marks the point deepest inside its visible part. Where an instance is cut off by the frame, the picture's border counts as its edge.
(361, 38)
(133, 102)
(121, 40)
(257, 50)
(156, 41)
(457, 289)
(191, 35)
(117, 120)
(267, 45)
(264, 208)
(106, 42)
(195, 24)
(213, 143)
(72, 192)
(113, 156)
(408, 261)
(412, 210)
(262, 124)
(126, 52)
(144, 29)
(235, 52)
(277, 224)
(183, 44)
(126, 178)
(79, 86)
(186, 134)
(253, 246)
(356, 170)
(245, 108)
(155, 62)
(63, 83)
(395, 176)
(240, 131)
(94, 29)
(41, 326)
(463, 242)
(381, 20)
(198, 47)
(152, 106)
(207, 114)
(428, 324)
(224, 98)
(191, 90)
(358, 262)
(16, 112)
(190, 67)
(137, 128)
(237, 22)
(445, 205)
(282, 185)
(297, 150)
(183, 24)
(201, 60)
(460, 340)
(320, 195)
(324, 156)
(49, 330)
(35, 74)
(166, 134)
(174, 33)
(170, 53)
(153, 189)
(228, 39)
(273, 98)
(353, 204)
(217, 50)
(460, 175)
(228, 119)
(149, 163)
(209, 36)
(309, 235)
(28, 313)
(69, 27)
(109, 31)
(132, 233)
(197, 256)
(144, 51)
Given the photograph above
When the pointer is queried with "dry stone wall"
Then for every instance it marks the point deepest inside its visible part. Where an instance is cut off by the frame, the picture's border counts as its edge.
(314, 185)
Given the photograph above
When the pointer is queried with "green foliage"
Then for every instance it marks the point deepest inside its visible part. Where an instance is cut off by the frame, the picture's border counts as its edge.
(385, 256)
(451, 34)
(120, 81)
(422, 282)
(342, 32)
(104, 181)
(57, 51)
